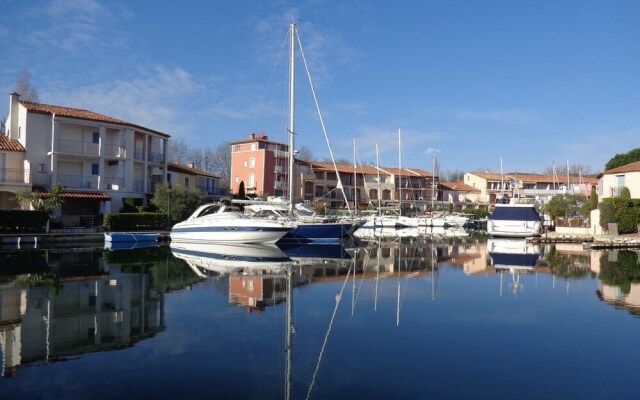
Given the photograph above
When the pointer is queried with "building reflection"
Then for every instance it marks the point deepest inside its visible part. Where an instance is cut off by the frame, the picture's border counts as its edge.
(619, 278)
(58, 303)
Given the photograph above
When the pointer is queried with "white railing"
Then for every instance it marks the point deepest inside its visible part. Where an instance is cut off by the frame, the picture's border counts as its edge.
(13, 175)
(77, 147)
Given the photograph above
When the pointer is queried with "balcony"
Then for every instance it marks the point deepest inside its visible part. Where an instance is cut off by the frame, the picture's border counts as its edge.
(77, 147)
(279, 169)
(114, 150)
(281, 154)
(156, 158)
(14, 175)
(138, 185)
(279, 185)
(138, 154)
(112, 183)
(79, 181)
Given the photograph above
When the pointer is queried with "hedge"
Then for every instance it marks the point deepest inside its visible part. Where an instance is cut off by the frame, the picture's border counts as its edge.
(135, 222)
(23, 221)
(624, 212)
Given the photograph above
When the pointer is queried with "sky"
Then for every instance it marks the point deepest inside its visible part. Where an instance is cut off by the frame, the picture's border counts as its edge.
(531, 83)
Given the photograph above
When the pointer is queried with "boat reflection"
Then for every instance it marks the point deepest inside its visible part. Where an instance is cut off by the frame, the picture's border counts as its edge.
(514, 256)
(208, 260)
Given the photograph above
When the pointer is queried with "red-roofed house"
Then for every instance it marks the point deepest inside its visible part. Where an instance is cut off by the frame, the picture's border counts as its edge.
(613, 180)
(190, 177)
(458, 192)
(86, 152)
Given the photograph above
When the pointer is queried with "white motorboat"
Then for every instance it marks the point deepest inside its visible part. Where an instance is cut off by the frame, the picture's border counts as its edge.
(514, 220)
(220, 223)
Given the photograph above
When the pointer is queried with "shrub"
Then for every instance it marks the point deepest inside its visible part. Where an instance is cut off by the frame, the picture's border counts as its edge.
(626, 213)
(625, 193)
(135, 221)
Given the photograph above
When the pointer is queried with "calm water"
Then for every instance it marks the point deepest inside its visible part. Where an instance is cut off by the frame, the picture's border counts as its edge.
(413, 319)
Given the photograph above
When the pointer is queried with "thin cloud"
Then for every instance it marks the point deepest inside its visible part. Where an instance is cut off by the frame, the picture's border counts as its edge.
(501, 116)
(160, 99)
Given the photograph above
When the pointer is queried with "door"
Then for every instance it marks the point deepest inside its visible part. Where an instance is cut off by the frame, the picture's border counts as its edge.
(3, 167)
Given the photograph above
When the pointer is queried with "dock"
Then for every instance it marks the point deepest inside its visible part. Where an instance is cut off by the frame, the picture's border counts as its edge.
(590, 241)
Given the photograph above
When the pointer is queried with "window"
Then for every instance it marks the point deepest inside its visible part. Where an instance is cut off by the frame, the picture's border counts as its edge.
(252, 180)
(252, 162)
(237, 179)
(254, 146)
(19, 132)
(186, 181)
(236, 148)
(244, 163)
(95, 169)
(41, 167)
(96, 137)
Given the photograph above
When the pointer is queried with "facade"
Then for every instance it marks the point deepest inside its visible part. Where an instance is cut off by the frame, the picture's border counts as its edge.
(458, 193)
(189, 177)
(493, 186)
(259, 166)
(612, 181)
(101, 161)
(319, 182)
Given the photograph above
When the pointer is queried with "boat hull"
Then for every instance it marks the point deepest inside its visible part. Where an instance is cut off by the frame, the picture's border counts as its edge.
(131, 237)
(228, 234)
(329, 233)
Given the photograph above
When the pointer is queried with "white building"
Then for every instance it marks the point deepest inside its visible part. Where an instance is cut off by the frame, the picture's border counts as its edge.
(612, 181)
(101, 161)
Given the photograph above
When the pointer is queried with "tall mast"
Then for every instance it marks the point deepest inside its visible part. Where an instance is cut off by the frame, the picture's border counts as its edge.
(378, 169)
(399, 173)
(501, 179)
(355, 180)
(292, 102)
(433, 181)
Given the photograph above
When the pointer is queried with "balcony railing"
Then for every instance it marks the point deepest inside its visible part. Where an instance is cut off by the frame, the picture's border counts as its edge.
(77, 147)
(114, 150)
(138, 154)
(112, 183)
(13, 175)
(212, 191)
(156, 158)
(78, 181)
(138, 185)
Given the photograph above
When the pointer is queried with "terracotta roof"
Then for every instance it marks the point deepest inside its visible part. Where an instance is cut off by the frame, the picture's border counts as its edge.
(7, 144)
(261, 137)
(80, 114)
(74, 195)
(348, 168)
(408, 172)
(550, 179)
(488, 175)
(633, 167)
(458, 186)
(186, 169)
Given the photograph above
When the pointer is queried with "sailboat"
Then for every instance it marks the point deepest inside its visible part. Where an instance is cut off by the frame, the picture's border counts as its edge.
(302, 230)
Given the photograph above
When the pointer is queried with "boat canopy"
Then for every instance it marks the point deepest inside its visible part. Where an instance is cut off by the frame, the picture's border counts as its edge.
(515, 214)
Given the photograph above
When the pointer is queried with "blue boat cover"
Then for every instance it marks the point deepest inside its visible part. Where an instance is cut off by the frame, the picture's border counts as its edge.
(515, 214)
(522, 260)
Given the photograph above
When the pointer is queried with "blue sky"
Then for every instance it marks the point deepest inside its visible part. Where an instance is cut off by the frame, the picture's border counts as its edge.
(531, 81)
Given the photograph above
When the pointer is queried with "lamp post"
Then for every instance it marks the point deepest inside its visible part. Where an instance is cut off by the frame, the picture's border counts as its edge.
(168, 206)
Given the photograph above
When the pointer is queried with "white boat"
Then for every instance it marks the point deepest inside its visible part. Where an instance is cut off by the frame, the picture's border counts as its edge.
(514, 220)
(220, 223)
(131, 237)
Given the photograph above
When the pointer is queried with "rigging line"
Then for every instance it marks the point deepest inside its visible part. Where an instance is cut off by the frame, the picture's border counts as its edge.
(364, 271)
(324, 129)
(326, 336)
(264, 95)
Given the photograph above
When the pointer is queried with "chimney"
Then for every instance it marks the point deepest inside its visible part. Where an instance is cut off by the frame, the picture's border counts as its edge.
(192, 164)
(252, 136)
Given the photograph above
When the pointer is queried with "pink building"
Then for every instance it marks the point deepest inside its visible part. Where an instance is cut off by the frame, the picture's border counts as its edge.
(259, 166)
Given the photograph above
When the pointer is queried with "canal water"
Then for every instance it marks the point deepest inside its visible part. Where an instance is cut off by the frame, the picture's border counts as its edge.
(400, 318)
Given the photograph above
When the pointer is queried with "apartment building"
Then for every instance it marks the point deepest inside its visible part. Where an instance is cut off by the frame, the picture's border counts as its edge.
(259, 166)
(494, 186)
(613, 180)
(457, 193)
(190, 177)
(101, 161)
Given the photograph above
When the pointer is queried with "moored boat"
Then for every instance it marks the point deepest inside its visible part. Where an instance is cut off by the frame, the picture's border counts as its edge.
(220, 223)
(514, 220)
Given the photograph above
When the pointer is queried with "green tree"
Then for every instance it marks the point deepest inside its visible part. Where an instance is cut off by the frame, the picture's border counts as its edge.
(566, 205)
(623, 159)
(625, 193)
(29, 200)
(177, 203)
(593, 199)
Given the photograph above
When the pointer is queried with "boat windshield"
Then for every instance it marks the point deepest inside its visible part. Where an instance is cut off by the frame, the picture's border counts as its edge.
(515, 214)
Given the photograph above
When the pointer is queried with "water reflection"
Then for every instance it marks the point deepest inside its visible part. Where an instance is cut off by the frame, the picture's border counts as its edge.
(60, 303)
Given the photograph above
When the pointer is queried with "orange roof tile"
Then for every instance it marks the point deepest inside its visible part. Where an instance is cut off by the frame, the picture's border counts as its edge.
(7, 144)
(632, 167)
(488, 175)
(74, 195)
(186, 169)
(408, 172)
(458, 186)
(80, 114)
